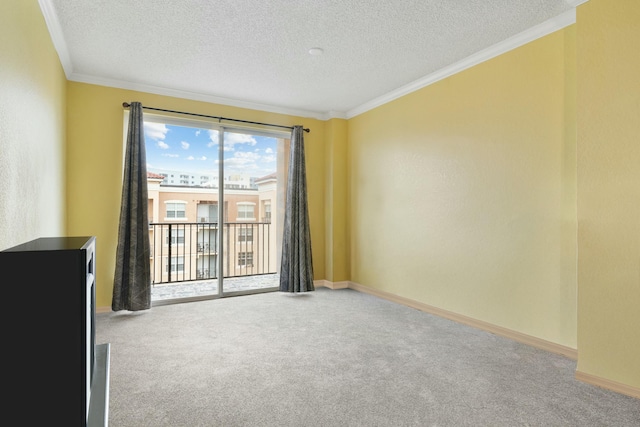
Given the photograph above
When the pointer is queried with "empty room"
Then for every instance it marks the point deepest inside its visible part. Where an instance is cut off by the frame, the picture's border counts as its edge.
(322, 213)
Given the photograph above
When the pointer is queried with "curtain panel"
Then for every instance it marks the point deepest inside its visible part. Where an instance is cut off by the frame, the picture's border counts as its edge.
(296, 270)
(132, 279)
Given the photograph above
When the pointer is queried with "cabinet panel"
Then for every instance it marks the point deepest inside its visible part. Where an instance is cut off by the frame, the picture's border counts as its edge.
(52, 333)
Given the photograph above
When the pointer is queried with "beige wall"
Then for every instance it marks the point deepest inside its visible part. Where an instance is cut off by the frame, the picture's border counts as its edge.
(32, 127)
(95, 150)
(337, 201)
(458, 193)
(609, 190)
(192, 199)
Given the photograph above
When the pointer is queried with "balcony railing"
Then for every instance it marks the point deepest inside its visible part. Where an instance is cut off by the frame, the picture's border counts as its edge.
(183, 252)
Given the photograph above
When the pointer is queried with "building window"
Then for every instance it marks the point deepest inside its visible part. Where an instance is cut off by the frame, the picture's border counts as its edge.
(245, 210)
(176, 238)
(245, 259)
(245, 234)
(267, 213)
(177, 264)
(207, 211)
(176, 210)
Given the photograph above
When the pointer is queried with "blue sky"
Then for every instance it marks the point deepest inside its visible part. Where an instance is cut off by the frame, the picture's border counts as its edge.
(190, 149)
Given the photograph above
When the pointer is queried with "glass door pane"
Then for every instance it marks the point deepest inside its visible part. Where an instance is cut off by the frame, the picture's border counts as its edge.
(250, 237)
(216, 203)
(183, 185)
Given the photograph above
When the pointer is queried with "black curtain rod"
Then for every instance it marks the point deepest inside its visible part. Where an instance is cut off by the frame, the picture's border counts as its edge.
(127, 105)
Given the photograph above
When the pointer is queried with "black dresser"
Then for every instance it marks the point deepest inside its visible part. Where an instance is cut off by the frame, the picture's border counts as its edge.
(58, 375)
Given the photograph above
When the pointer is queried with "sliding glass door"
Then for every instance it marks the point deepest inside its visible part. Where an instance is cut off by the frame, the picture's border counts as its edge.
(216, 203)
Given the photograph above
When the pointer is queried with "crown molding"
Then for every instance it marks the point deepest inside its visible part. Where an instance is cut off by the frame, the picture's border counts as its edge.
(157, 90)
(59, 43)
(541, 30)
(335, 115)
(554, 24)
(575, 3)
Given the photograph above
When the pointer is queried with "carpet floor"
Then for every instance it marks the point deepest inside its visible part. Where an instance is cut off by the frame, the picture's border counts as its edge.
(335, 358)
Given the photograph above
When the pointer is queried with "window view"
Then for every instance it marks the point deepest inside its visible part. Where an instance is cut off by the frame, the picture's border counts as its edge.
(175, 210)
(176, 238)
(245, 211)
(245, 259)
(177, 263)
(197, 232)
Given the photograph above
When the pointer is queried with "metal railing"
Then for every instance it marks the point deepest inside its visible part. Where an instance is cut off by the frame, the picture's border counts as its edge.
(188, 251)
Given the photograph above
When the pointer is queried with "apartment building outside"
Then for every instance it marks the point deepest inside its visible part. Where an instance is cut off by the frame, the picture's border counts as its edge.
(210, 180)
(187, 227)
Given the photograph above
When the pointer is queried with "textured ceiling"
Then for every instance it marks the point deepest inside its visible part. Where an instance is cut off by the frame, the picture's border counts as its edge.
(254, 53)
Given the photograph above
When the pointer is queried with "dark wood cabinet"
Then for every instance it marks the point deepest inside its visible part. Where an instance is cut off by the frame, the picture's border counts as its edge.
(57, 373)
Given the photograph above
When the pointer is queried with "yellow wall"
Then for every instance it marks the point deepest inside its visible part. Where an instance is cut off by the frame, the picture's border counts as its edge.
(458, 193)
(32, 127)
(94, 173)
(609, 190)
(336, 204)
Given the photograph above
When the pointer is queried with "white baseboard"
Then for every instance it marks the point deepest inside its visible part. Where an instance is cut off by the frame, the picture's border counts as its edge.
(568, 352)
(608, 384)
(331, 285)
(552, 347)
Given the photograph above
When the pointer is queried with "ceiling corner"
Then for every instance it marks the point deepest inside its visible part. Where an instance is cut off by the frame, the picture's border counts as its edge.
(335, 115)
(547, 27)
(575, 3)
(57, 37)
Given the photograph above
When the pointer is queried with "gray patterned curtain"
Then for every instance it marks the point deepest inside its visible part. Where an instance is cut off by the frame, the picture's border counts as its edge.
(132, 282)
(296, 270)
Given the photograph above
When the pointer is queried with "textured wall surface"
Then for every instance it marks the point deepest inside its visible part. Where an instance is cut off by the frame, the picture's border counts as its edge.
(372, 46)
(459, 193)
(336, 201)
(609, 190)
(32, 127)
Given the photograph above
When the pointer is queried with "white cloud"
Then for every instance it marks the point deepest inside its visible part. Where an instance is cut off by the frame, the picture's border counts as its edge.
(198, 132)
(191, 158)
(162, 144)
(239, 138)
(155, 131)
(269, 159)
(184, 145)
(230, 140)
(243, 160)
(240, 163)
(248, 155)
(213, 137)
(170, 155)
(268, 150)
